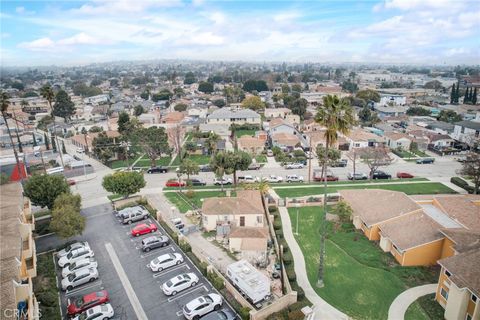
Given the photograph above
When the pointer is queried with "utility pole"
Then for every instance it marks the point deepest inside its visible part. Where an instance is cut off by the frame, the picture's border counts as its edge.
(310, 161)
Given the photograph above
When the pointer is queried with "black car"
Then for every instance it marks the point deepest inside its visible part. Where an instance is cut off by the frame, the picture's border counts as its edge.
(157, 170)
(205, 168)
(340, 163)
(154, 242)
(224, 314)
(381, 175)
(196, 182)
(425, 160)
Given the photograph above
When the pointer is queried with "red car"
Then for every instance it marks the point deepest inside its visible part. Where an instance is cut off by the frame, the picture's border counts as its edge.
(329, 178)
(404, 175)
(79, 304)
(175, 183)
(71, 182)
(143, 229)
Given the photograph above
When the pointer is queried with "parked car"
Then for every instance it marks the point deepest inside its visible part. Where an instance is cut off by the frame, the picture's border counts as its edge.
(357, 176)
(75, 255)
(154, 242)
(78, 265)
(205, 168)
(79, 277)
(71, 182)
(381, 175)
(294, 165)
(82, 303)
(143, 228)
(70, 247)
(165, 261)
(273, 179)
(340, 163)
(404, 175)
(196, 182)
(294, 178)
(309, 155)
(80, 150)
(179, 283)
(175, 183)
(254, 166)
(425, 160)
(220, 181)
(104, 311)
(134, 215)
(247, 179)
(223, 314)
(178, 223)
(329, 177)
(200, 306)
(269, 153)
(157, 170)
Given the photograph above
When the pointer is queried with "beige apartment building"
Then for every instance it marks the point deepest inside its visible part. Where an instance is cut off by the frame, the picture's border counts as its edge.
(18, 260)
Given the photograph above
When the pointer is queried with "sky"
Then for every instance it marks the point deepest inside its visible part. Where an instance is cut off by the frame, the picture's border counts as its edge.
(441, 32)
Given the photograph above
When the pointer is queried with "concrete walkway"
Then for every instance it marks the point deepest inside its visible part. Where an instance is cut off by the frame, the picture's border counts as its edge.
(322, 309)
(401, 303)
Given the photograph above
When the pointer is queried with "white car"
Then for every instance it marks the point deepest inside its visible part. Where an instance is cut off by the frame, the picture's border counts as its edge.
(80, 150)
(165, 261)
(273, 179)
(202, 305)
(179, 283)
(248, 179)
(101, 312)
(294, 178)
(72, 246)
(75, 255)
(220, 181)
(80, 264)
(79, 277)
(294, 166)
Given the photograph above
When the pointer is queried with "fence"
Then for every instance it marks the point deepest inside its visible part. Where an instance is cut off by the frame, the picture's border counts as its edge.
(310, 201)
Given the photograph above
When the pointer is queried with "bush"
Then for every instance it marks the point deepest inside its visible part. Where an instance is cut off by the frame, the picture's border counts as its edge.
(287, 258)
(284, 245)
(290, 273)
(300, 292)
(273, 210)
(216, 281)
(279, 234)
(190, 194)
(462, 184)
(297, 314)
(277, 224)
(185, 246)
(244, 313)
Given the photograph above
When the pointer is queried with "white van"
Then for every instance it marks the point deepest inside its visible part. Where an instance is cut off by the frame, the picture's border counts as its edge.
(56, 170)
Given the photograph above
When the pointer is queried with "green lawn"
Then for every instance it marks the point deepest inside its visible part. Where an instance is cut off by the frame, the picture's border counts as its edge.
(429, 305)
(146, 163)
(113, 197)
(421, 153)
(360, 279)
(404, 154)
(182, 201)
(200, 158)
(244, 132)
(408, 188)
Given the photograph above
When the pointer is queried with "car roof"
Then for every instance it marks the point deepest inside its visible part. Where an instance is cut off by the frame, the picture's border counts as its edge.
(83, 271)
(195, 302)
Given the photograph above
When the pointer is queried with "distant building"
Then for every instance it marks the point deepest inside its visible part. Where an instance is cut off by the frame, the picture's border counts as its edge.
(229, 117)
(98, 99)
(397, 140)
(395, 100)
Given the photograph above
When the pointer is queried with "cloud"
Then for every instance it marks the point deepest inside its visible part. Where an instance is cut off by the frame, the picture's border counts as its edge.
(20, 10)
(80, 38)
(112, 7)
(286, 16)
(5, 35)
(42, 44)
(65, 44)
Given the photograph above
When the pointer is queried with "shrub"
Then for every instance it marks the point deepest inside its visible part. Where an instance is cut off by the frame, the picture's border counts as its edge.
(190, 194)
(297, 314)
(290, 273)
(216, 280)
(279, 234)
(277, 224)
(462, 184)
(287, 258)
(300, 292)
(273, 210)
(185, 246)
(244, 313)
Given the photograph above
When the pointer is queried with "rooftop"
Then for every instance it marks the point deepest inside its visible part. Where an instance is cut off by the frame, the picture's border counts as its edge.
(464, 239)
(464, 209)
(246, 202)
(226, 113)
(469, 124)
(463, 271)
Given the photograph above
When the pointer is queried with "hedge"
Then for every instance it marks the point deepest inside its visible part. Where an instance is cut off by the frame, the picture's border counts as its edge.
(287, 258)
(462, 184)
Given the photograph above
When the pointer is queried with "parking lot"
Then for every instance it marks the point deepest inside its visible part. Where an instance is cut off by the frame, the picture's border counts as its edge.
(135, 291)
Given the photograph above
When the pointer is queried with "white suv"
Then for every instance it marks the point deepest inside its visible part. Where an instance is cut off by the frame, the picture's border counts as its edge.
(294, 178)
(80, 264)
(70, 247)
(104, 311)
(80, 277)
(202, 305)
(179, 283)
(165, 261)
(75, 255)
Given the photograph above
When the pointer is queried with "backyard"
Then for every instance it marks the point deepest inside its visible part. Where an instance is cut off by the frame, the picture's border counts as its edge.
(244, 132)
(360, 279)
(143, 162)
(183, 201)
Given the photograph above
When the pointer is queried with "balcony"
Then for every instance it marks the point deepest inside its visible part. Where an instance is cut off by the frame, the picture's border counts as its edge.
(28, 268)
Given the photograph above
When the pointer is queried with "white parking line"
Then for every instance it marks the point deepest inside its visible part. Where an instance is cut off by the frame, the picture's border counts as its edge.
(80, 289)
(178, 296)
(154, 252)
(137, 307)
(179, 313)
(98, 215)
(164, 272)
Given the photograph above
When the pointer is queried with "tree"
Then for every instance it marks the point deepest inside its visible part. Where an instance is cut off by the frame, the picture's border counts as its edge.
(63, 107)
(180, 107)
(64, 150)
(54, 144)
(123, 120)
(368, 95)
(103, 147)
(18, 85)
(343, 210)
(434, 84)
(457, 92)
(175, 136)
(85, 133)
(253, 103)
(47, 93)
(299, 107)
(237, 160)
(162, 95)
(471, 168)
(152, 141)
(337, 116)
(205, 87)
(145, 95)
(44, 189)
(47, 141)
(35, 143)
(219, 103)
(374, 158)
(413, 146)
(190, 146)
(349, 86)
(327, 157)
(466, 99)
(297, 88)
(66, 218)
(189, 78)
(474, 97)
(418, 111)
(179, 92)
(255, 85)
(138, 110)
(449, 116)
(212, 142)
(452, 94)
(368, 117)
(219, 164)
(124, 183)
(189, 167)
(4, 107)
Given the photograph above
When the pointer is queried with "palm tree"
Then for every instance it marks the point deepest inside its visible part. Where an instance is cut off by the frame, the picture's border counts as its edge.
(24, 103)
(337, 116)
(212, 141)
(4, 107)
(47, 93)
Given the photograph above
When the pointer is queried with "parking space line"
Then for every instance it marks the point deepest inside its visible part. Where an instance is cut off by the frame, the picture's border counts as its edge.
(179, 313)
(164, 272)
(98, 215)
(158, 251)
(80, 289)
(178, 296)
(137, 307)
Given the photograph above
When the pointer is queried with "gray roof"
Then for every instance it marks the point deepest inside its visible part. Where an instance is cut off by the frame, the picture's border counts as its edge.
(441, 125)
(225, 113)
(469, 124)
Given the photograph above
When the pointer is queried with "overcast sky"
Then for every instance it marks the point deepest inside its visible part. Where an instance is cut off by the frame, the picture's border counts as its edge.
(389, 31)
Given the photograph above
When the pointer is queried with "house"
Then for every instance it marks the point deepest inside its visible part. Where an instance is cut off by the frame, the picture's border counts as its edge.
(395, 100)
(285, 141)
(244, 210)
(174, 117)
(441, 127)
(148, 118)
(467, 132)
(231, 116)
(98, 99)
(18, 263)
(202, 146)
(277, 126)
(311, 125)
(82, 141)
(252, 145)
(251, 242)
(359, 138)
(276, 112)
(440, 141)
(386, 111)
(397, 140)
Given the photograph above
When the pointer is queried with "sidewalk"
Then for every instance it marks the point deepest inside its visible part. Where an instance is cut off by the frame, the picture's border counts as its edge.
(446, 181)
(401, 303)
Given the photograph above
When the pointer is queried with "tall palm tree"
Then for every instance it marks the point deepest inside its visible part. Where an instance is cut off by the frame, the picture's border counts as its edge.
(4, 107)
(212, 141)
(337, 116)
(47, 93)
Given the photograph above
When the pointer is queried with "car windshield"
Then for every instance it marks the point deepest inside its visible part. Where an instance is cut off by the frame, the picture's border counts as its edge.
(187, 310)
(72, 266)
(169, 283)
(186, 277)
(208, 299)
(71, 277)
(222, 315)
(78, 302)
(70, 255)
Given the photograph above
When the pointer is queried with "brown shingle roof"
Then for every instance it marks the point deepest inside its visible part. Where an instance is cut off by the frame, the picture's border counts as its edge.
(246, 202)
(465, 270)
(411, 230)
(250, 142)
(362, 135)
(285, 139)
(397, 135)
(464, 239)
(465, 209)
(249, 232)
(376, 206)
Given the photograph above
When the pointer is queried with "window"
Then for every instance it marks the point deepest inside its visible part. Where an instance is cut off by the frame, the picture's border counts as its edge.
(242, 221)
(468, 317)
(259, 219)
(444, 294)
(474, 298)
(448, 274)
